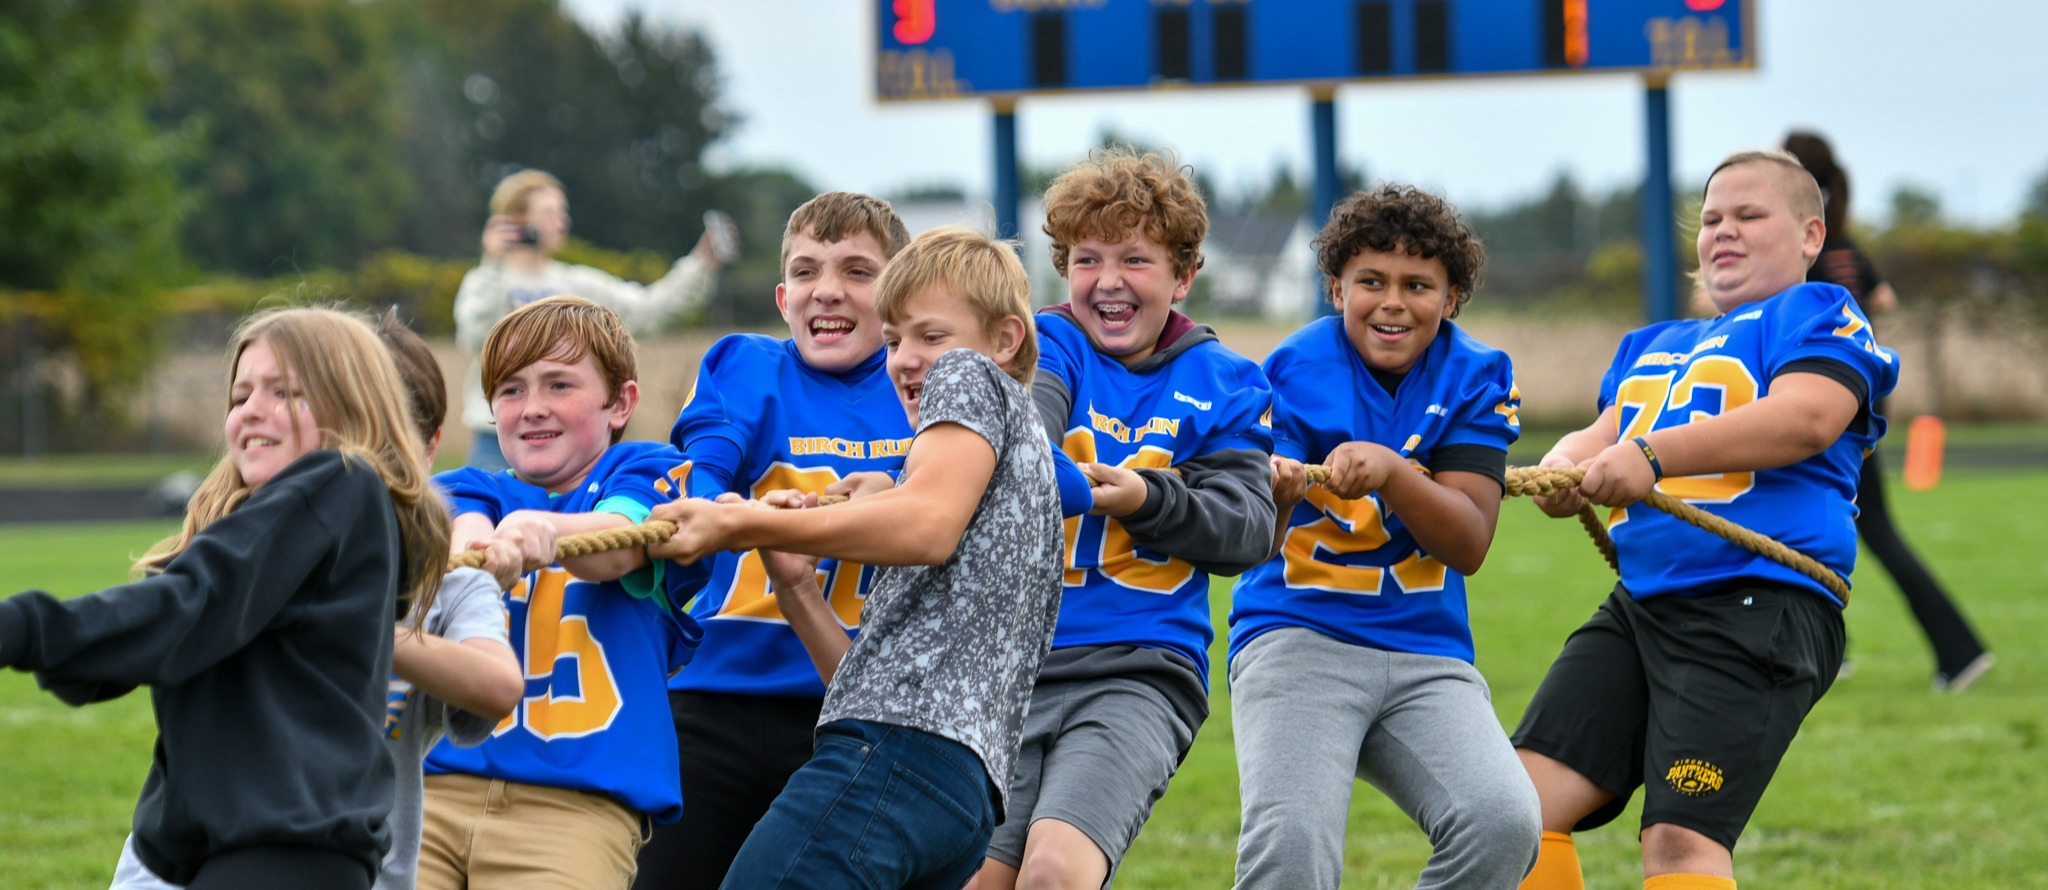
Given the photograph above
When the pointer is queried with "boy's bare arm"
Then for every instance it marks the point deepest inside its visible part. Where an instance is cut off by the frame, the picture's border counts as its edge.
(1290, 488)
(1578, 446)
(794, 577)
(917, 523)
(1574, 449)
(1802, 416)
(480, 676)
(466, 529)
(795, 581)
(604, 565)
(1452, 514)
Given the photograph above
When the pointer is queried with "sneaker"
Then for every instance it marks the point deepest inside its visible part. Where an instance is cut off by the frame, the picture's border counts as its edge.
(1847, 670)
(1954, 685)
(725, 235)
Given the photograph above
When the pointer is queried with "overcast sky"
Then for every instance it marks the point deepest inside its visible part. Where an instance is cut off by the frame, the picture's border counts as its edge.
(1949, 96)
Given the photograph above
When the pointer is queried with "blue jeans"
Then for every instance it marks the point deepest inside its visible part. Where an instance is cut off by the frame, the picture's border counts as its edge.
(484, 452)
(877, 806)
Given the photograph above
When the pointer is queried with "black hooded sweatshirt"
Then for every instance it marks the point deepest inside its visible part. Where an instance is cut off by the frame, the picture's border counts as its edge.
(267, 647)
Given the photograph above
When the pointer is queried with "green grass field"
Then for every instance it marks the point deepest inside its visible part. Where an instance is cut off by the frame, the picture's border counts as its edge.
(1889, 784)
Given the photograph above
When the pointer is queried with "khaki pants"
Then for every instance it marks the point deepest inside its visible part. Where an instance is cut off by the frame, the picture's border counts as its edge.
(489, 833)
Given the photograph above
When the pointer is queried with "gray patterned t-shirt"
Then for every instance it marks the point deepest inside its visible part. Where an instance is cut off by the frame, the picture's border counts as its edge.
(953, 649)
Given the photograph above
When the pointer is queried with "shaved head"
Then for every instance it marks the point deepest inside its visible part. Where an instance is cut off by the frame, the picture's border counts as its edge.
(1793, 181)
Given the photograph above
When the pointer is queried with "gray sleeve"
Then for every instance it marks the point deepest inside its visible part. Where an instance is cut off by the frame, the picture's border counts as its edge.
(1049, 393)
(1220, 506)
(468, 608)
(961, 388)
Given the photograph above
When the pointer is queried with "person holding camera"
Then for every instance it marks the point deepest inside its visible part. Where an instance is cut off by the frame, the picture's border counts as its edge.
(529, 223)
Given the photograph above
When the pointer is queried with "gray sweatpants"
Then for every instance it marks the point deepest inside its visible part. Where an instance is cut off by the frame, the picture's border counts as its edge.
(1310, 712)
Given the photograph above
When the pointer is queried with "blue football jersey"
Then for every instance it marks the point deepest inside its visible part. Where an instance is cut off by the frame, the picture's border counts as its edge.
(1676, 372)
(1351, 570)
(1205, 399)
(761, 419)
(595, 715)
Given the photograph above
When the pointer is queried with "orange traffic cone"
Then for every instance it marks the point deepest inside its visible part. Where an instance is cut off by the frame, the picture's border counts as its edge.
(1924, 441)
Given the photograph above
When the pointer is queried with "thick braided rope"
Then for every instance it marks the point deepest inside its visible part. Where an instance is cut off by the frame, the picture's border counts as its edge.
(1521, 481)
(1533, 481)
(653, 531)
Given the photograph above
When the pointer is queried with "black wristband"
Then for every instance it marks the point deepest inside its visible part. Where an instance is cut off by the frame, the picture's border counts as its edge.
(1650, 454)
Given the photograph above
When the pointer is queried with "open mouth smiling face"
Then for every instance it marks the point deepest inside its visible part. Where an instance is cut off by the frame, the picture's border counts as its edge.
(1393, 304)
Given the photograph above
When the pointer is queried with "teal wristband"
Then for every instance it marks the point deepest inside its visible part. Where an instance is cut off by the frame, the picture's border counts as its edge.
(1650, 454)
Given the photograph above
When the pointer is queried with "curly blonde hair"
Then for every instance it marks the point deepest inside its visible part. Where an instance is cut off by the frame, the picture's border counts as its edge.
(1119, 190)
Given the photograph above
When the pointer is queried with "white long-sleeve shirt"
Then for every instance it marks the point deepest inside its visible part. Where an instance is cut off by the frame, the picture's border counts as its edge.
(492, 290)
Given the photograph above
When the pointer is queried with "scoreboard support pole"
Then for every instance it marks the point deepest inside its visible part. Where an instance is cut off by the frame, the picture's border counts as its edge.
(1327, 183)
(1006, 185)
(1660, 259)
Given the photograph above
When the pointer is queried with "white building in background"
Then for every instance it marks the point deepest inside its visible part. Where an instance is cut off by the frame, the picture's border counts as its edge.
(1260, 263)
(1047, 287)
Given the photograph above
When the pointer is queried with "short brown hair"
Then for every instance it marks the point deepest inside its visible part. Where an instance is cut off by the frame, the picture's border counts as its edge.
(1795, 182)
(837, 216)
(512, 193)
(425, 389)
(562, 329)
(1117, 191)
(972, 267)
(1404, 219)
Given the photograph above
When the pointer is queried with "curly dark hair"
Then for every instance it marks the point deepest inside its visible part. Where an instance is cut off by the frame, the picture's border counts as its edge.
(1406, 219)
(1119, 190)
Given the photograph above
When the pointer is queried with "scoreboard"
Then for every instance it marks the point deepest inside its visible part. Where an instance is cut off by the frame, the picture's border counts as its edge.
(949, 49)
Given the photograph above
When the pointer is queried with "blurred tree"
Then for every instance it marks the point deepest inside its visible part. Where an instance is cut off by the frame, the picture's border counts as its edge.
(2037, 199)
(1283, 193)
(90, 203)
(760, 200)
(1552, 223)
(622, 118)
(444, 207)
(1914, 207)
(929, 192)
(293, 106)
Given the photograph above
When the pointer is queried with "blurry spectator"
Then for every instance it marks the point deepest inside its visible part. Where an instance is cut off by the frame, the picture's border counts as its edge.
(529, 222)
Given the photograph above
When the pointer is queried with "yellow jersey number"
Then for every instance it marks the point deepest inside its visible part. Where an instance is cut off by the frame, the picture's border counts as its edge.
(752, 595)
(1643, 400)
(1345, 527)
(556, 642)
(1117, 554)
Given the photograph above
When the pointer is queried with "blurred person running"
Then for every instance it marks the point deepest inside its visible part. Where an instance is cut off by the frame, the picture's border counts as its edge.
(1959, 655)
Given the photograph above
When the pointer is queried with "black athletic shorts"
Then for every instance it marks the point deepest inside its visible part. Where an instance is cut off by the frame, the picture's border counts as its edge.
(1693, 699)
(736, 752)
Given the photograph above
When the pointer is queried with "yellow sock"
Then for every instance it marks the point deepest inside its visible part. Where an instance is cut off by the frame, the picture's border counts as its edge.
(1557, 865)
(1686, 882)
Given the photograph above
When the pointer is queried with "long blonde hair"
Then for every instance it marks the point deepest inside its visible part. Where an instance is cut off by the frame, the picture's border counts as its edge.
(348, 378)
